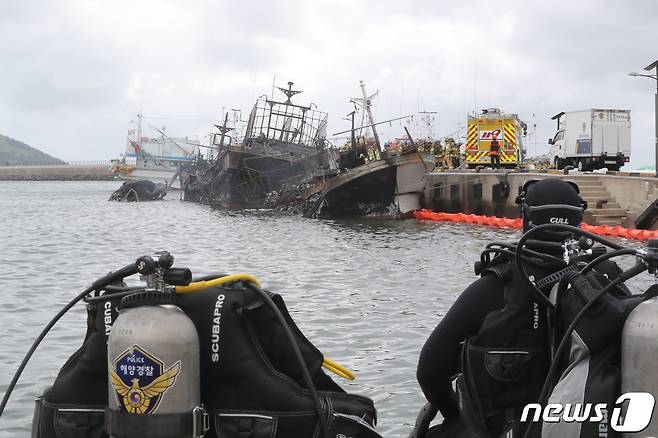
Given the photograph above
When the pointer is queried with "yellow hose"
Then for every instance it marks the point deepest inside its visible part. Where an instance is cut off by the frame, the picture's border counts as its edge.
(338, 369)
(329, 364)
(201, 285)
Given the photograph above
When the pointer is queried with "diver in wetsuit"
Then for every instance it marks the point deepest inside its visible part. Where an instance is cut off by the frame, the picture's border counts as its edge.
(497, 310)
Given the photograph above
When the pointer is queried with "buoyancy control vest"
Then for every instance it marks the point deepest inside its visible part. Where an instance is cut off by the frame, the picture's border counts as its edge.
(251, 383)
(504, 365)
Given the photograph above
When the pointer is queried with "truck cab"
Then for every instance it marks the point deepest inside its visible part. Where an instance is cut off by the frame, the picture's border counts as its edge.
(556, 150)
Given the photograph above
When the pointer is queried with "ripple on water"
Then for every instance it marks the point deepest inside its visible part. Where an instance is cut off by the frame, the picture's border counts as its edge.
(367, 293)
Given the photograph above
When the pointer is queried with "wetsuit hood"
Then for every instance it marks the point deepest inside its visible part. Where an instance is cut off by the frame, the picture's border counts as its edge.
(550, 200)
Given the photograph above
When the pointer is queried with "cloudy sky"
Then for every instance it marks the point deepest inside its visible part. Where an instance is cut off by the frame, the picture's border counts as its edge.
(76, 72)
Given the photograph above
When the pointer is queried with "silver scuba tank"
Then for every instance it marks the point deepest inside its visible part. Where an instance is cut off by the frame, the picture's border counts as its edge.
(153, 365)
(639, 355)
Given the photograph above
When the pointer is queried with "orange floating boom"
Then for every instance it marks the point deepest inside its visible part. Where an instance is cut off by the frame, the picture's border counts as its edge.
(502, 222)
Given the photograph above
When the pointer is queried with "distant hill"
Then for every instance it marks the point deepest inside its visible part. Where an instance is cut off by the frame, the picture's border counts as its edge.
(16, 152)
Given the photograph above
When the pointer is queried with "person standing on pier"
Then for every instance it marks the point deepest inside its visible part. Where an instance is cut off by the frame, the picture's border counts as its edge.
(494, 153)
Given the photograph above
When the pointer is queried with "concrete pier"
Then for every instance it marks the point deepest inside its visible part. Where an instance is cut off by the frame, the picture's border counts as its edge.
(67, 172)
(612, 199)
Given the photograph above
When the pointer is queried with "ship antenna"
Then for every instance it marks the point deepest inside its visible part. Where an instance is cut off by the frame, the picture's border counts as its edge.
(289, 92)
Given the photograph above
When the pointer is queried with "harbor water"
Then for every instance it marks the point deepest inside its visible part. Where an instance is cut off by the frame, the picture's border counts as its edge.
(366, 292)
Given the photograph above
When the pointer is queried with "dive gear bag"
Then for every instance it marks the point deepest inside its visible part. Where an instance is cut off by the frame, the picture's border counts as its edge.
(251, 383)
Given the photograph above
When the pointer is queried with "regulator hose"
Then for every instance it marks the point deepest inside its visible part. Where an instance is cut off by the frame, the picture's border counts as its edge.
(606, 256)
(537, 294)
(115, 292)
(204, 284)
(96, 285)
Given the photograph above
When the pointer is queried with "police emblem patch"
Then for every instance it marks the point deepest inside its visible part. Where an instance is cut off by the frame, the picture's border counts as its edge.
(139, 380)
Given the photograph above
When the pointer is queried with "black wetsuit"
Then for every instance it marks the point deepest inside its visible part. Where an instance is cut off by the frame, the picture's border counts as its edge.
(440, 357)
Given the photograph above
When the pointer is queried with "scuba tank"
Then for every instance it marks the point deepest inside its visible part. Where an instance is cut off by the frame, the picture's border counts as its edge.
(639, 349)
(153, 361)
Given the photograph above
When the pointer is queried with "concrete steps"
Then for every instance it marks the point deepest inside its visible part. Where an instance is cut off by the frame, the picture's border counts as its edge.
(653, 194)
(594, 193)
(589, 183)
(609, 211)
(593, 203)
(608, 221)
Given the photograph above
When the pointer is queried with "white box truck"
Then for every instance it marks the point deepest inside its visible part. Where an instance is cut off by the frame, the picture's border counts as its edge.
(591, 139)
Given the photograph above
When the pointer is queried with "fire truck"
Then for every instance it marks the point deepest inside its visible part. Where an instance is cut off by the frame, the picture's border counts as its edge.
(492, 123)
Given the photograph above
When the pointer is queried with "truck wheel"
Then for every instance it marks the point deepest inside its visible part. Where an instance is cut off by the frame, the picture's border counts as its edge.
(582, 167)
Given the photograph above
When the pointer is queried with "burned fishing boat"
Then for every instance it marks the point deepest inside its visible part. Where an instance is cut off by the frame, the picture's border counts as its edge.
(369, 180)
(284, 143)
(390, 186)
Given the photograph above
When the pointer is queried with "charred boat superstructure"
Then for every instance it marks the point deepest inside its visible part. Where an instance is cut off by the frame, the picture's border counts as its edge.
(283, 143)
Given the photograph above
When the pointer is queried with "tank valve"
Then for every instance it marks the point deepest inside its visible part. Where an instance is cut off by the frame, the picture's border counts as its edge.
(651, 256)
(146, 265)
(159, 275)
(166, 260)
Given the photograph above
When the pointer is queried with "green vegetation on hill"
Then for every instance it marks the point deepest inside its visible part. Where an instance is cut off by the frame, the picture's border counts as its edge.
(16, 152)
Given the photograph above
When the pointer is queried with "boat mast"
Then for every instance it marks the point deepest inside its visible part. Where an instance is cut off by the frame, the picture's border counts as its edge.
(353, 135)
(139, 127)
(366, 104)
(223, 129)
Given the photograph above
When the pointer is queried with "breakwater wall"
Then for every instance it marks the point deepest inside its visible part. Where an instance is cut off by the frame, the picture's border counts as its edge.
(60, 172)
(612, 199)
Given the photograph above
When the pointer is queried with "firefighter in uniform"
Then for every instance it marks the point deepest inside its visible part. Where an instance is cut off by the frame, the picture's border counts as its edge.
(494, 152)
(447, 154)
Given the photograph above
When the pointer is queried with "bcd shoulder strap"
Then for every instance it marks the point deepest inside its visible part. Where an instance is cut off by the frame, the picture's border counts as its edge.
(503, 271)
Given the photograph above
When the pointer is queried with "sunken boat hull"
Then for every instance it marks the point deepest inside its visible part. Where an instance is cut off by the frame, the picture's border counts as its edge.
(389, 187)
